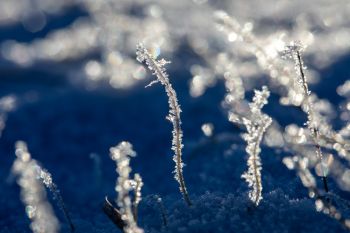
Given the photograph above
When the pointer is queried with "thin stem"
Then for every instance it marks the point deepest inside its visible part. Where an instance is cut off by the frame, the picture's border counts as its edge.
(63, 207)
(314, 131)
(178, 132)
(161, 207)
(302, 75)
(157, 66)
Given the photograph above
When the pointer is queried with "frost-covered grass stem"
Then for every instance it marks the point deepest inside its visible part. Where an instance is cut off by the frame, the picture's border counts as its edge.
(256, 165)
(121, 154)
(157, 66)
(294, 51)
(33, 194)
(256, 126)
(46, 178)
(162, 211)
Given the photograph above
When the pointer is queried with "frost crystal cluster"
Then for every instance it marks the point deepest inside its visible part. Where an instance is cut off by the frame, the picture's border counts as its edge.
(158, 70)
(33, 194)
(256, 127)
(121, 155)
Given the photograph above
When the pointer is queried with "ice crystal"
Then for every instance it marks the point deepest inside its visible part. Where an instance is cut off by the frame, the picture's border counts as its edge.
(158, 70)
(33, 194)
(121, 155)
(256, 127)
